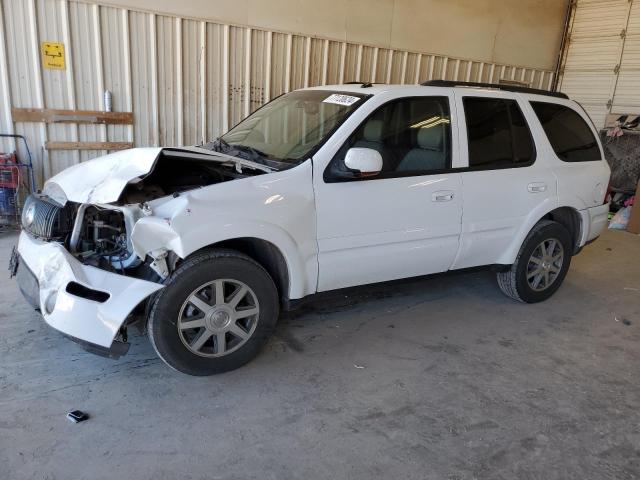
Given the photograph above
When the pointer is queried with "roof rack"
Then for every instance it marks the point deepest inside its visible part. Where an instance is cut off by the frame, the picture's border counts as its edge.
(362, 84)
(498, 86)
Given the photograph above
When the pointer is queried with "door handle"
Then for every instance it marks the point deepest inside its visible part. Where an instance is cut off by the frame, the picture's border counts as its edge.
(537, 187)
(443, 196)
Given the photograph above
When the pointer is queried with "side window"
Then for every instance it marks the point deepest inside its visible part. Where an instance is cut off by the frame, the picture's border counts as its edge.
(413, 136)
(569, 135)
(498, 133)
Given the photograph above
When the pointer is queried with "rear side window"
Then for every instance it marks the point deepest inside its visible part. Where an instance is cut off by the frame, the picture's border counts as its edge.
(569, 135)
(498, 134)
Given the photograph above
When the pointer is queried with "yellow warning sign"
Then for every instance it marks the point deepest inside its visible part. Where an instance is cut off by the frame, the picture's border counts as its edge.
(53, 55)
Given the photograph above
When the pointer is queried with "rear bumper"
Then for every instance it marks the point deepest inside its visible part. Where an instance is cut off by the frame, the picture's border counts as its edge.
(44, 274)
(594, 221)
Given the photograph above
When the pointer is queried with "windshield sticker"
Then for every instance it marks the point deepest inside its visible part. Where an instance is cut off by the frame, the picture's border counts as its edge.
(346, 100)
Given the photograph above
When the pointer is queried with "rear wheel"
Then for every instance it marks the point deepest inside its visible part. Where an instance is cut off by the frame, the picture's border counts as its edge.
(215, 313)
(541, 264)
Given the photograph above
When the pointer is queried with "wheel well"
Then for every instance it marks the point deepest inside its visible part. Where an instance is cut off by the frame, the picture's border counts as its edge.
(267, 255)
(570, 219)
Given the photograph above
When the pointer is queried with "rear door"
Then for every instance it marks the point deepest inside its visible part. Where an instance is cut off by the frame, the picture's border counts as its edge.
(504, 179)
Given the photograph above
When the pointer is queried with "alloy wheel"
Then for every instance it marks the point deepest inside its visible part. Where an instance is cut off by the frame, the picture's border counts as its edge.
(545, 264)
(218, 317)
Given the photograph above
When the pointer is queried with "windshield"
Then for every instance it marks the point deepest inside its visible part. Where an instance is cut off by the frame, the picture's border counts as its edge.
(282, 133)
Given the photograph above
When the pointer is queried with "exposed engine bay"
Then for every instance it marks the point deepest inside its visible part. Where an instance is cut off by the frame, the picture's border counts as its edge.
(174, 173)
(100, 234)
(102, 240)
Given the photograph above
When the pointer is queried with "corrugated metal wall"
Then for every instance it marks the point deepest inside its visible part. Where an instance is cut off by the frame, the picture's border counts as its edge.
(626, 98)
(601, 68)
(186, 81)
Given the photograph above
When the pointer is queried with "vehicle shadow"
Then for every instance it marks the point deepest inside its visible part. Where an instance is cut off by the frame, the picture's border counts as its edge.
(353, 308)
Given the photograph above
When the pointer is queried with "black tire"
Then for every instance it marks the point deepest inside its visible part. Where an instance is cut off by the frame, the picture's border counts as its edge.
(514, 283)
(202, 268)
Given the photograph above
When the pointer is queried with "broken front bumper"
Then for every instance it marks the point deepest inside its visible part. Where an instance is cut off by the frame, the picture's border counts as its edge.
(83, 302)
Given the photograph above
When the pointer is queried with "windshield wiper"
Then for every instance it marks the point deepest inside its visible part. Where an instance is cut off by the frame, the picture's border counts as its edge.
(248, 149)
(245, 152)
(208, 151)
(218, 145)
(222, 146)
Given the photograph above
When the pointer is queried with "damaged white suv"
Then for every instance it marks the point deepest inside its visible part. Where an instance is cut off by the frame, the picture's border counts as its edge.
(320, 189)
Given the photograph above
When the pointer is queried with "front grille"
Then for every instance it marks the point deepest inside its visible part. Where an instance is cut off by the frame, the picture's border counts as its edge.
(45, 219)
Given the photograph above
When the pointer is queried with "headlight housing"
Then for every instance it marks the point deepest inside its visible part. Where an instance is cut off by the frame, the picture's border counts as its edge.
(43, 218)
(29, 215)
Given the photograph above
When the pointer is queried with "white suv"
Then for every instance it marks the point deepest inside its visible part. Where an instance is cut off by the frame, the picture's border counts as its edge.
(320, 189)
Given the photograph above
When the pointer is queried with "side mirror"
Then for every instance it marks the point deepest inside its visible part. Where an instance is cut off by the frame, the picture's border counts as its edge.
(365, 162)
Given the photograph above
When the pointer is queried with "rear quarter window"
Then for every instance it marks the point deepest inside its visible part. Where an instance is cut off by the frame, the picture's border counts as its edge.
(569, 135)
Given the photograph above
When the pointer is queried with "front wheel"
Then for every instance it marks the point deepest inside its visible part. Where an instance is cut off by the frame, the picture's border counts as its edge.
(541, 264)
(215, 313)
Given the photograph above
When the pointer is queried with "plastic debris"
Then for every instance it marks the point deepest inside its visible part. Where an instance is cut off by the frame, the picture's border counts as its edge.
(77, 416)
(620, 219)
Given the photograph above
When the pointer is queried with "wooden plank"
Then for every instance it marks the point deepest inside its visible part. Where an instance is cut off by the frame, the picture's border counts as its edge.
(88, 145)
(48, 115)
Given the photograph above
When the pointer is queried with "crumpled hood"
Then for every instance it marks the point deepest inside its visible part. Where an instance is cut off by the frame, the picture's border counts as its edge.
(103, 179)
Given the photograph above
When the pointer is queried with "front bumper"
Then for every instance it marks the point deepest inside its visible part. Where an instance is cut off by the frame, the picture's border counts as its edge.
(63, 289)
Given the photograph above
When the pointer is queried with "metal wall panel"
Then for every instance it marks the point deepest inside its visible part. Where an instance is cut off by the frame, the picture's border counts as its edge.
(116, 68)
(298, 62)
(52, 18)
(84, 24)
(599, 18)
(214, 84)
(193, 73)
(169, 83)
(260, 67)
(237, 65)
(367, 61)
(143, 34)
(316, 62)
(333, 62)
(280, 62)
(626, 98)
(598, 69)
(382, 64)
(6, 124)
(24, 79)
(350, 69)
(186, 80)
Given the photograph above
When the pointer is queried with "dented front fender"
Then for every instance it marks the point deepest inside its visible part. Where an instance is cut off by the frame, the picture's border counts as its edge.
(152, 233)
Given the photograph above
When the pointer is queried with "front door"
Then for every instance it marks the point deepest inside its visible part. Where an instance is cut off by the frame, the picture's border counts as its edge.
(406, 220)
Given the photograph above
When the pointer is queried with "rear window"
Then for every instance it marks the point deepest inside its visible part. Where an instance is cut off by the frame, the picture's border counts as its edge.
(568, 133)
(498, 134)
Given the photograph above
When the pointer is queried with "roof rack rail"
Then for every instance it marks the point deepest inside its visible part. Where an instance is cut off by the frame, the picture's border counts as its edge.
(499, 86)
(363, 84)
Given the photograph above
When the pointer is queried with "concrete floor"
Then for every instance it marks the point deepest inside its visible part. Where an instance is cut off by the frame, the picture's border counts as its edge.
(443, 378)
